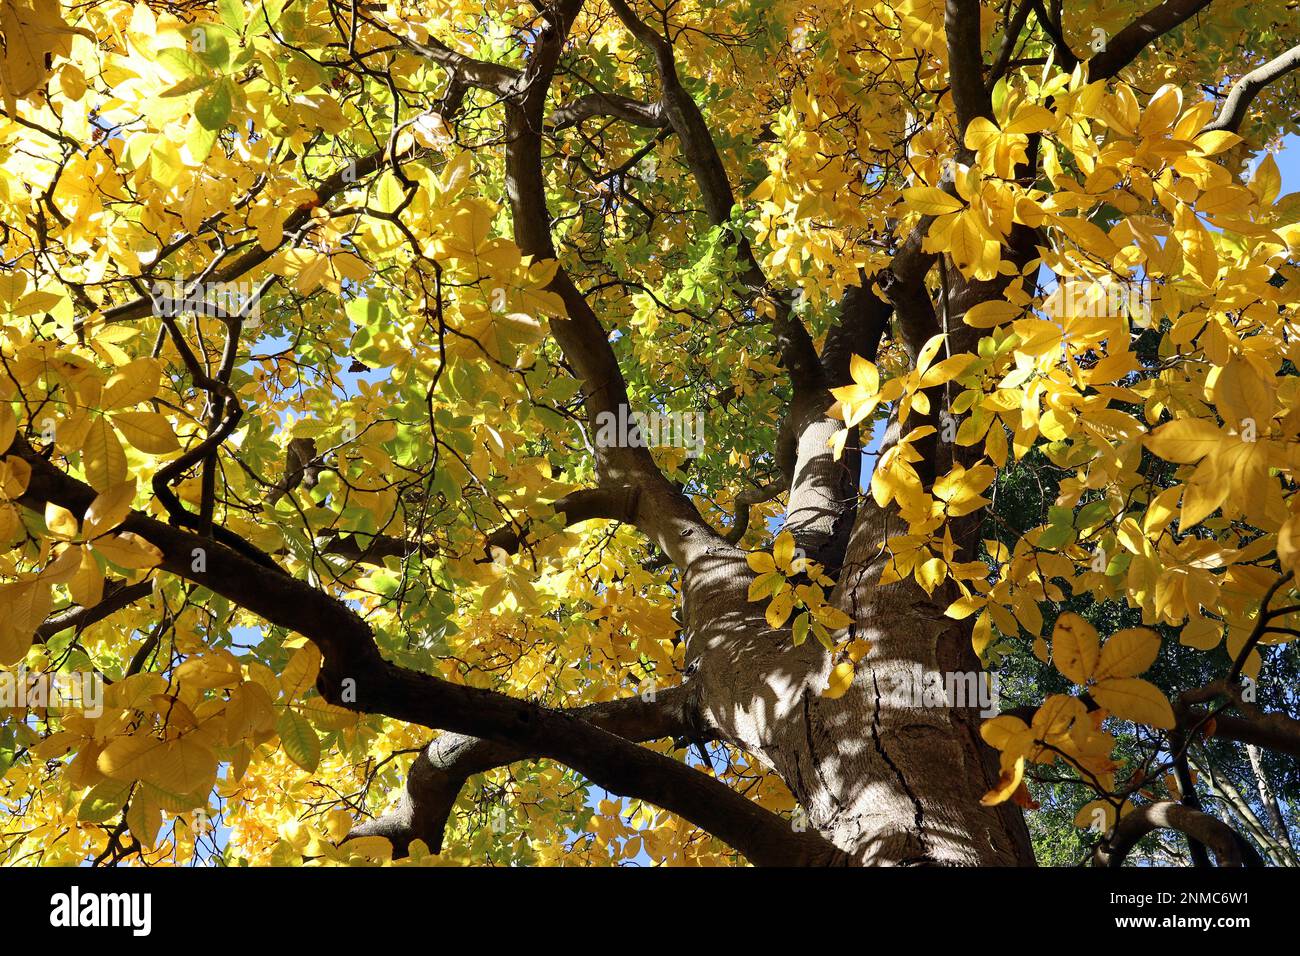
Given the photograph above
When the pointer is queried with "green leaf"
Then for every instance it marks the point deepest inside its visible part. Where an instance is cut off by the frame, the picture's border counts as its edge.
(208, 42)
(201, 142)
(104, 801)
(183, 61)
(299, 740)
(188, 85)
(232, 14)
(800, 628)
(213, 108)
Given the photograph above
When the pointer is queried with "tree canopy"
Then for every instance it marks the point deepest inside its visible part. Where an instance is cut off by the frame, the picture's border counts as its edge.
(392, 393)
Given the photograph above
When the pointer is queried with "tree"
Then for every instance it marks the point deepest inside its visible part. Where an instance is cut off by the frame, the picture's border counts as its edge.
(498, 404)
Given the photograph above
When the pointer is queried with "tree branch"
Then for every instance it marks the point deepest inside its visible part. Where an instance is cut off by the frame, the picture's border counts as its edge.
(1244, 91)
(1229, 848)
(116, 596)
(1009, 40)
(798, 354)
(609, 104)
(438, 773)
(354, 675)
(961, 24)
(1123, 48)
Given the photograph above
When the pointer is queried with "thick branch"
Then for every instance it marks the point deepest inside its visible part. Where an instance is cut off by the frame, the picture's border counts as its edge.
(609, 104)
(352, 663)
(1228, 846)
(1124, 47)
(664, 513)
(437, 775)
(588, 504)
(864, 316)
(1244, 91)
(961, 24)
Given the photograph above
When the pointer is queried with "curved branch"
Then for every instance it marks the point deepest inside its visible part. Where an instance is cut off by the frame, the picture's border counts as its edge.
(1064, 55)
(588, 504)
(798, 353)
(1123, 48)
(750, 497)
(664, 513)
(1273, 731)
(438, 773)
(116, 597)
(609, 104)
(355, 675)
(1009, 40)
(477, 73)
(1229, 848)
(1244, 91)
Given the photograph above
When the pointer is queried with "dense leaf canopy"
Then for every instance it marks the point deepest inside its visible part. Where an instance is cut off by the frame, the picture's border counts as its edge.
(329, 328)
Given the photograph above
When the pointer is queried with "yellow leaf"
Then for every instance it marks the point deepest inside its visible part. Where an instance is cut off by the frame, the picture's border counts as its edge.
(87, 585)
(929, 201)
(1201, 633)
(1057, 715)
(1097, 816)
(212, 669)
(132, 384)
(783, 551)
(143, 818)
(1008, 783)
(102, 455)
(988, 315)
(108, 509)
(183, 766)
(831, 617)
(148, 431)
(840, 680)
(999, 732)
(1185, 440)
(128, 550)
(129, 757)
(1266, 183)
(1216, 141)
(766, 584)
(1243, 395)
(1074, 647)
(1131, 698)
(61, 522)
(300, 673)
(780, 608)
(1128, 653)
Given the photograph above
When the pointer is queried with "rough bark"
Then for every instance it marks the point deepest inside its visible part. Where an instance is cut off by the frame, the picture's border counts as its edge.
(889, 781)
(888, 784)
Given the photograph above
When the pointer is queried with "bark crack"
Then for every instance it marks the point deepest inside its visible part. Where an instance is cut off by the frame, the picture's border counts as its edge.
(919, 819)
(812, 748)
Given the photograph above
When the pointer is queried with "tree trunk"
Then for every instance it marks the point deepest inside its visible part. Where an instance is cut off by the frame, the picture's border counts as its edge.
(889, 781)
